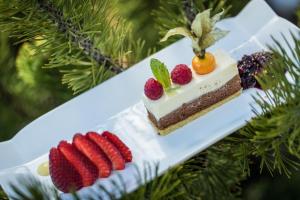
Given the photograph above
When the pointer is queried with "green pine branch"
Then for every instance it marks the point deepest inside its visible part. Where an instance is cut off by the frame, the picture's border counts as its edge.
(138, 13)
(189, 10)
(3, 196)
(33, 189)
(86, 40)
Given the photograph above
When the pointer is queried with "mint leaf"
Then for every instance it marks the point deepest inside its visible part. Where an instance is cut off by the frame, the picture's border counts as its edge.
(161, 73)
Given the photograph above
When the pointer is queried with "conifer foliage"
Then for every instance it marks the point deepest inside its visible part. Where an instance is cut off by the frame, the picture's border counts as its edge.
(86, 40)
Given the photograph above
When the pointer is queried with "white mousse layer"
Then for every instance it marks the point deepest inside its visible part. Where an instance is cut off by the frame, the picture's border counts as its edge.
(225, 70)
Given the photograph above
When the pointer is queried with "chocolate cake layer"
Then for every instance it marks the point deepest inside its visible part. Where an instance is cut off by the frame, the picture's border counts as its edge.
(201, 103)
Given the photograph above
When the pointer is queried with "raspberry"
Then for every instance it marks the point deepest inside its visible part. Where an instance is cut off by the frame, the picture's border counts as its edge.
(181, 74)
(153, 89)
(124, 150)
(64, 176)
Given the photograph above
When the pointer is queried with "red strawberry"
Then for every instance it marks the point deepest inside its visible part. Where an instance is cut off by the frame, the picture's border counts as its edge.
(109, 149)
(124, 150)
(64, 176)
(153, 89)
(181, 74)
(85, 168)
(94, 154)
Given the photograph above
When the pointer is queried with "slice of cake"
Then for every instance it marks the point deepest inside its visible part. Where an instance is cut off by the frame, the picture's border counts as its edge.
(171, 105)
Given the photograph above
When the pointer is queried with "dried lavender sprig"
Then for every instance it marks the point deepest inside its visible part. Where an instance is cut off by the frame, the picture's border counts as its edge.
(66, 26)
(189, 10)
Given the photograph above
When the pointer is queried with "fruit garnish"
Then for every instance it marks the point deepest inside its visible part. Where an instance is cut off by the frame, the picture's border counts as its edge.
(77, 165)
(94, 154)
(109, 149)
(88, 172)
(251, 66)
(153, 89)
(64, 176)
(204, 65)
(181, 74)
(161, 73)
(123, 149)
(203, 34)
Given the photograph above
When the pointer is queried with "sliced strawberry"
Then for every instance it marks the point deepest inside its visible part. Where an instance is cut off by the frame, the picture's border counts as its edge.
(64, 176)
(109, 149)
(124, 150)
(85, 168)
(94, 154)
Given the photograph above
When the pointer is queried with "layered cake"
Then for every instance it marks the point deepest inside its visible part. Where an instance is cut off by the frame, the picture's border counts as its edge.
(211, 80)
(190, 93)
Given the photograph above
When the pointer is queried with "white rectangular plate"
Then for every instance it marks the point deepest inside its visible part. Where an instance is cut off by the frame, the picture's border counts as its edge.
(116, 105)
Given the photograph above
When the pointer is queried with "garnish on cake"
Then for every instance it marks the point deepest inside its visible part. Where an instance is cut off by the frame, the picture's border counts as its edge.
(212, 79)
(251, 66)
(203, 34)
(155, 88)
(89, 157)
(161, 73)
(181, 74)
